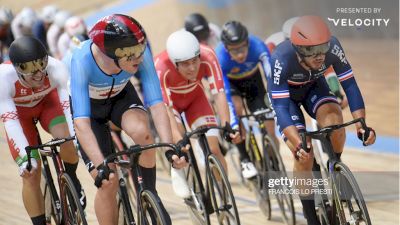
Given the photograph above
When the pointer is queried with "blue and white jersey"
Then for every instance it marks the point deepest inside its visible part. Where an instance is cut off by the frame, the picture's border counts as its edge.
(88, 81)
(289, 81)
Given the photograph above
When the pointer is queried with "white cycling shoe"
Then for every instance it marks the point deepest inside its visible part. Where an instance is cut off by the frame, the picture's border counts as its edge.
(179, 184)
(248, 169)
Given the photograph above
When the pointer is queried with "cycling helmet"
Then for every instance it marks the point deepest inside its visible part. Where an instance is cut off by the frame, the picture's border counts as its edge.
(310, 36)
(287, 26)
(28, 17)
(114, 33)
(6, 16)
(182, 45)
(233, 32)
(28, 55)
(197, 24)
(74, 26)
(60, 18)
(48, 13)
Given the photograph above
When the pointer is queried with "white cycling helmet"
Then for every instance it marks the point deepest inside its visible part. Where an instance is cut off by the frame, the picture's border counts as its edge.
(75, 26)
(60, 18)
(6, 16)
(28, 17)
(48, 13)
(182, 45)
(287, 26)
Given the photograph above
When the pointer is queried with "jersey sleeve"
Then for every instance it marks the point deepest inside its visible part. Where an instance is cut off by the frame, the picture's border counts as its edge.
(60, 77)
(263, 55)
(345, 75)
(79, 88)
(232, 112)
(150, 82)
(12, 125)
(278, 89)
(162, 73)
(213, 70)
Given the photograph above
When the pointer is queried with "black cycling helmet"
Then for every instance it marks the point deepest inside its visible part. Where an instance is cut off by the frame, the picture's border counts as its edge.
(117, 31)
(233, 32)
(28, 55)
(197, 24)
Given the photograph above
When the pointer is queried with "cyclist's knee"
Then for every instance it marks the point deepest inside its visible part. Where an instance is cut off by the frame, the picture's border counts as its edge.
(69, 153)
(329, 114)
(148, 158)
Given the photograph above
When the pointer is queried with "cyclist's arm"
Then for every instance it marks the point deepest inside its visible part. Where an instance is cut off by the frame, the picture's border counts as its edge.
(153, 97)
(176, 130)
(232, 111)
(12, 125)
(278, 89)
(81, 112)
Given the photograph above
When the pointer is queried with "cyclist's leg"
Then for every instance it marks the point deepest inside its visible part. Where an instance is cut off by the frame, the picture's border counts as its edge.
(31, 193)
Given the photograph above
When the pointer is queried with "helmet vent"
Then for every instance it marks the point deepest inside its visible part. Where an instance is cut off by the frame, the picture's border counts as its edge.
(302, 35)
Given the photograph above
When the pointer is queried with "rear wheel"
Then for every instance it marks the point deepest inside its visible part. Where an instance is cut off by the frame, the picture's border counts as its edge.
(221, 194)
(52, 205)
(72, 209)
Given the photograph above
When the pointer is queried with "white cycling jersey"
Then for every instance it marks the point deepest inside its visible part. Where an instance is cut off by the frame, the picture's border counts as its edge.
(52, 36)
(13, 93)
(275, 38)
(215, 35)
(63, 44)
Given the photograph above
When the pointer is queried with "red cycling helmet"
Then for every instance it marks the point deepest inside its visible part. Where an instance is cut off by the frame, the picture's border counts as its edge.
(115, 32)
(310, 36)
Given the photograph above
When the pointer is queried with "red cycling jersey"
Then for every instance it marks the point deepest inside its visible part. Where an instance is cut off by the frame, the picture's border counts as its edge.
(189, 96)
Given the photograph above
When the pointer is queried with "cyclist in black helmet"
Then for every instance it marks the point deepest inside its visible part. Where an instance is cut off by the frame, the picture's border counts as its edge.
(205, 32)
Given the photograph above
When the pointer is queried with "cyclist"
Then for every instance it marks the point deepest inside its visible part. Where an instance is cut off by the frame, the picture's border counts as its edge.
(34, 88)
(22, 23)
(101, 92)
(207, 33)
(181, 68)
(74, 27)
(54, 32)
(6, 35)
(244, 61)
(298, 66)
(42, 25)
(330, 75)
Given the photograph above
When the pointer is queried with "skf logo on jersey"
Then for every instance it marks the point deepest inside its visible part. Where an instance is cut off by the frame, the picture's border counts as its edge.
(277, 72)
(235, 70)
(339, 53)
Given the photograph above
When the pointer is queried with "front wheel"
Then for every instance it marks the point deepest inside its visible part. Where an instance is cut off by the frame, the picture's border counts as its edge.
(221, 193)
(72, 209)
(151, 212)
(351, 199)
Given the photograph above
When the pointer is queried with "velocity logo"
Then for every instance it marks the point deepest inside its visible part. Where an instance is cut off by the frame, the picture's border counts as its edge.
(368, 18)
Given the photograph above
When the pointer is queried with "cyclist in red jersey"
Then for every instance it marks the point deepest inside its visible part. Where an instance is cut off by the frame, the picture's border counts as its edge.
(34, 87)
(180, 69)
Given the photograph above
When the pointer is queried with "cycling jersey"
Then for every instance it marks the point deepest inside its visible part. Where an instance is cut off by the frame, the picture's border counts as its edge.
(52, 36)
(214, 37)
(39, 32)
(20, 104)
(274, 40)
(188, 95)
(88, 81)
(291, 84)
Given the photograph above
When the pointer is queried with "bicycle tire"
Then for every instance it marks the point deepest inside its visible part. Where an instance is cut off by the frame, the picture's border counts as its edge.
(356, 194)
(50, 202)
(225, 194)
(72, 209)
(274, 164)
(196, 204)
(262, 197)
(150, 206)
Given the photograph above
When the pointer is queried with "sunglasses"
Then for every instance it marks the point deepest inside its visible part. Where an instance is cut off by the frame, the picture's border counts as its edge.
(238, 50)
(132, 52)
(308, 51)
(32, 67)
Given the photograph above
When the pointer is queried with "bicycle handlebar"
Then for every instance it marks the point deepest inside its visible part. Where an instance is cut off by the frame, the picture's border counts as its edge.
(328, 130)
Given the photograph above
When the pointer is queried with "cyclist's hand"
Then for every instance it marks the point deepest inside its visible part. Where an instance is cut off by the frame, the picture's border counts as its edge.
(231, 135)
(179, 163)
(104, 176)
(301, 154)
(26, 172)
(236, 138)
(367, 136)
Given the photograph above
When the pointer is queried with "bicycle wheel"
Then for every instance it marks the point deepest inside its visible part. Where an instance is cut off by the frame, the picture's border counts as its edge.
(51, 204)
(126, 198)
(276, 170)
(221, 193)
(262, 196)
(196, 204)
(353, 205)
(150, 212)
(73, 213)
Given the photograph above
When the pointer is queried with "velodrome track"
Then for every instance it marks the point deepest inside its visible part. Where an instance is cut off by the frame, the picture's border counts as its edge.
(377, 78)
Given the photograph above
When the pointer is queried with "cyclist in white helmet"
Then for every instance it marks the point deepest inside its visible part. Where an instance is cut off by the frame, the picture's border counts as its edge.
(6, 35)
(74, 26)
(42, 25)
(23, 22)
(55, 31)
(276, 38)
